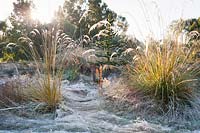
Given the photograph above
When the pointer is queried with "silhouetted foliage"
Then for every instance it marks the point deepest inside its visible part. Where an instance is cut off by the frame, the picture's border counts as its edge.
(85, 14)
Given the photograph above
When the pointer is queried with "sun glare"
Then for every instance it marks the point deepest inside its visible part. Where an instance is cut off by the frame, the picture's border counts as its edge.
(45, 9)
(42, 16)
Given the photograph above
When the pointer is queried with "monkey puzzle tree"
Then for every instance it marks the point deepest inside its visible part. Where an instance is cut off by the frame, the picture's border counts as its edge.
(108, 44)
(85, 13)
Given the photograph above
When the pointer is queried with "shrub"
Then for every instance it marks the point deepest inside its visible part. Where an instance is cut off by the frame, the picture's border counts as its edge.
(71, 74)
(75, 61)
(12, 91)
(165, 72)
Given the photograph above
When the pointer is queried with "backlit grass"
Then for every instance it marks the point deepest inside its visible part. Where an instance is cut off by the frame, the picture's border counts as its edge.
(165, 72)
(50, 67)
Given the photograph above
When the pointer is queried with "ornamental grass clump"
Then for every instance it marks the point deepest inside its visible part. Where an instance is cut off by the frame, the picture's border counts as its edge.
(50, 64)
(166, 73)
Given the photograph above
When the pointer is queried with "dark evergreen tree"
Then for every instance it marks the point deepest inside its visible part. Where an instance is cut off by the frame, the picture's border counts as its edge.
(20, 19)
(85, 14)
(192, 25)
(73, 10)
(108, 44)
(22, 24)
(64, 24)
(3, 26)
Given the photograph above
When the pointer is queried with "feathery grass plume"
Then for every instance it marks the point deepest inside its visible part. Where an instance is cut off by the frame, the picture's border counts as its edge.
(167, 73)
(50, 66)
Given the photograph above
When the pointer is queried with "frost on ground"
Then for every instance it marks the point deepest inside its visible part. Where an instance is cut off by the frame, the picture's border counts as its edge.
(83, 110)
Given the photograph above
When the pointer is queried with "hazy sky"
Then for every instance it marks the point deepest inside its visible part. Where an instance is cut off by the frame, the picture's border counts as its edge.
(153, 16)
(144, 16)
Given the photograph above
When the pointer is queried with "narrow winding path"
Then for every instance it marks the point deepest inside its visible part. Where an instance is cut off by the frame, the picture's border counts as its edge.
(82, 111)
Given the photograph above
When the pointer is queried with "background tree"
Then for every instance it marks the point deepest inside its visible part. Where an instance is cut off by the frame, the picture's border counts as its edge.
(20, 25)
(20, 19)
(68, 27)
(85, 14)
(189, 25)
(108, 44)
(73, 10)
(3, 26)
(192, 25)
(192, 32)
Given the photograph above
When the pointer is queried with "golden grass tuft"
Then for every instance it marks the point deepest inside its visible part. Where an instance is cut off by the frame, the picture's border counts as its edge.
(165, 72)
(50, 67)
